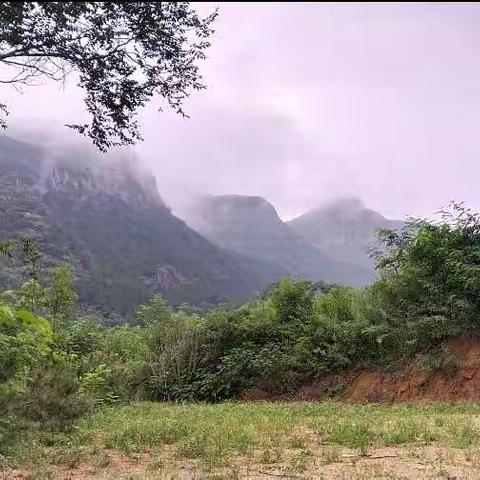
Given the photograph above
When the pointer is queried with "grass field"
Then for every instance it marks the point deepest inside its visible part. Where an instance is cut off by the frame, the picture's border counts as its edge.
(258, 440)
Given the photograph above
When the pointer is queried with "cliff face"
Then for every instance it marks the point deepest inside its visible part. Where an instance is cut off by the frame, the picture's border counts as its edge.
(112, 179)
(109, 221)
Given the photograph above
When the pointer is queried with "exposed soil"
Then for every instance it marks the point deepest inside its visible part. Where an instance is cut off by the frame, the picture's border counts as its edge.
(414, 383)
(425, 462)
(411, 382)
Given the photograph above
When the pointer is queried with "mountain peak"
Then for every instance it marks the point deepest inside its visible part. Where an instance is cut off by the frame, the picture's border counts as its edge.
(250, 226)
(346, 203)
(93, 215)
(215, 215)
(345, 228)
(79, 171)
(241, 205)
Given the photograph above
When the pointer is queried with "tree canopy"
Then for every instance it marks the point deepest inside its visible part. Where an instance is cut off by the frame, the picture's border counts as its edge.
(123, 54)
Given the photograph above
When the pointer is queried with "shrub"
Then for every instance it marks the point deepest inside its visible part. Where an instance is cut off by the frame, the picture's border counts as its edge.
(176, 351)
(54, 396)
(439, 359)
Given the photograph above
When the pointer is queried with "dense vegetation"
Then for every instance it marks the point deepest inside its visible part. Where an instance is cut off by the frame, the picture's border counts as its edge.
(57, 363)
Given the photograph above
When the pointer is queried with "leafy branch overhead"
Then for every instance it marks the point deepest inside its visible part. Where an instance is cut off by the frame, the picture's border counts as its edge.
(122, 55)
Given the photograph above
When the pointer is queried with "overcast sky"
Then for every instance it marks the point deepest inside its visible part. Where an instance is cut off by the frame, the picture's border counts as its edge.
(308, 102)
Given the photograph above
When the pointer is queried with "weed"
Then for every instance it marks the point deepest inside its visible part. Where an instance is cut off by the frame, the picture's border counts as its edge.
(301, 460)
(331, 454)
(297, 441)
(219, 437)
(439, 360)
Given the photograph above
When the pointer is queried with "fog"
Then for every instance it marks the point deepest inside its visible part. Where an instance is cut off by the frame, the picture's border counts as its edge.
(309, 102)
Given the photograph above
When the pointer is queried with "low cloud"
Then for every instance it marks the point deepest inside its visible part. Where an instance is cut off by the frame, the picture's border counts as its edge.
(307, 102)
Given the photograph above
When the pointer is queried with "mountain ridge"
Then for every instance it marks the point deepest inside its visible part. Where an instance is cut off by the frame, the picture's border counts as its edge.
(110, 222)
(123, 243)
(251, 225)
(345, 228)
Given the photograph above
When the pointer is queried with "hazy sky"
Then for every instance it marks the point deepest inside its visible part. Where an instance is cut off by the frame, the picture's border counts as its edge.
(307, 102)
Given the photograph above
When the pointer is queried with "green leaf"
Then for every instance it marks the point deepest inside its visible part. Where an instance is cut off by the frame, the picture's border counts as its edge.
(40, 323)
(7, 315)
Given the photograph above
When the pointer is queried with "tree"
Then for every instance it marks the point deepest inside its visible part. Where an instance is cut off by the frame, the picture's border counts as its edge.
(30, 255)
(123, 54)
(291, 299)
(61, 296)
(6, 248)
(155, 311)
(430, 272)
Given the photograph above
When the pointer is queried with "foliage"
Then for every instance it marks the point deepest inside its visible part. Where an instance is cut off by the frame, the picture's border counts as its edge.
(291, 300)
(61, 297)
(55, 398)
(25, 341)
(439, 359)
(176, 352)
(6, 248)
(273, 343)
(30, 255)
(122, 55)
(428, 290)
(430, 283)
(293, 333)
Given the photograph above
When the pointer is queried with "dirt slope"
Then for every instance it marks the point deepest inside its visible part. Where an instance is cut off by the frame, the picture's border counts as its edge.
(416, 384)
(410, 383)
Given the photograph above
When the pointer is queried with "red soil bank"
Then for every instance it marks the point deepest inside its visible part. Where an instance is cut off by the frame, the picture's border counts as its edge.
(415, 384)
(412, 383)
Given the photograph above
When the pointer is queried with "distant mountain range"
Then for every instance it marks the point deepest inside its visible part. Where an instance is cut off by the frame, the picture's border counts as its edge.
(329, 243)
(344, 230)
(108, 220)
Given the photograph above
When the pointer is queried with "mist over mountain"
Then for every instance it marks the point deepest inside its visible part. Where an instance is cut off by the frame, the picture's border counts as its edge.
(343, 229)
(106, 217)
(251, 226)
(112, 225)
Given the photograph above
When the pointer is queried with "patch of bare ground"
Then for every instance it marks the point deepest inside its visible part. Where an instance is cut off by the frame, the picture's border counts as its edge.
(305, 462)
(264, 440)
(416, 384)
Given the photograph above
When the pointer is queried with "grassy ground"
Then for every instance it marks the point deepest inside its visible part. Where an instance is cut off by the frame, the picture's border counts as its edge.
(258, 440)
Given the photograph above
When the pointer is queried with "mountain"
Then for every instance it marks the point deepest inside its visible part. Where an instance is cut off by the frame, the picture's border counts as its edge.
(343, 229)
(250, 225)
(107, 219)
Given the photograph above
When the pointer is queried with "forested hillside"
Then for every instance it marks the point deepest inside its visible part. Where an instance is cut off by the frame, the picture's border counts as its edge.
(58, 363)
(108, 220)
(110, 223)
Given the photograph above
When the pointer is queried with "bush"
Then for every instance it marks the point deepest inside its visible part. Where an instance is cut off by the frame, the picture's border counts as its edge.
(54, 397)
(439, 359)
(25, 341)
(430, 284)
(176, 351)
